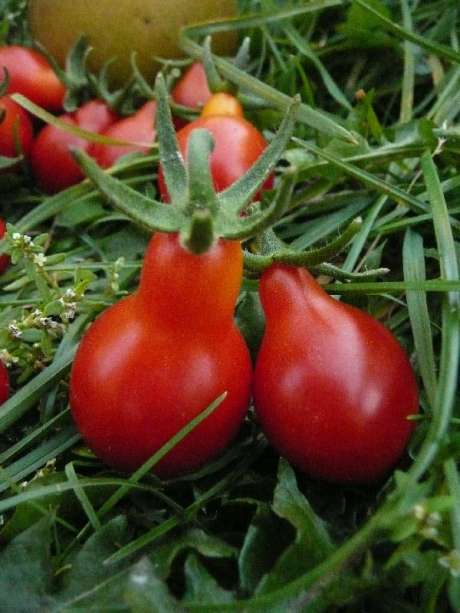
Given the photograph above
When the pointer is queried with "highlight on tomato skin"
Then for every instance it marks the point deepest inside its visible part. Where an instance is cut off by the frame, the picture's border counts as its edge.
(137, 128)
(144, 370)
(31, 75)
(4, 383)
(333, 388)
(15, 128)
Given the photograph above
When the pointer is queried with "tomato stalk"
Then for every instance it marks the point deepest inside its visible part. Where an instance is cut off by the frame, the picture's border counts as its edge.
(273, 250)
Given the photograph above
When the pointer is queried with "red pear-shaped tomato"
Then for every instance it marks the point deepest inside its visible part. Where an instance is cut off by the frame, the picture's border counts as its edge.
(16, 132)
(31, 75)
(155, 360)
(138, 129)
(333, 388)
(4, 383)
(238, 145)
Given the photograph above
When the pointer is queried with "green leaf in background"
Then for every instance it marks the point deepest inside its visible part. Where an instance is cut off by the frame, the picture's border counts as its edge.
(26, 571)
(312, 542)
(263, 543)
(144, 592)
(363, 29)
(200, 585)
(85, 571)
(165, 553)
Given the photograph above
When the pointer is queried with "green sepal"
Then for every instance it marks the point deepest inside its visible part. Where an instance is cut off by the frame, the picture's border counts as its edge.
(275, 251)
(196, 212)
(171, 160)
(200, 183)
(215, 82)
(150, 214)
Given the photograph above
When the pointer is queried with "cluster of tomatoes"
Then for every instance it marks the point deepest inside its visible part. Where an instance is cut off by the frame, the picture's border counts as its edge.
(332, 388)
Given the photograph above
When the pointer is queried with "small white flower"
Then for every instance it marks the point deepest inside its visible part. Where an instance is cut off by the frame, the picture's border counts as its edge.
(39, 259)
(452, 562)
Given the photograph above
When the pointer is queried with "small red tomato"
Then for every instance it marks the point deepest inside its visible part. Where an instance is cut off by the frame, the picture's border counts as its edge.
(31, 75)
(238, 145)
(152, 362)
(138, 128)
(4, 383)
(333, 388)
(51, 159)
(4, 259)
(192, 89)
(16, 132)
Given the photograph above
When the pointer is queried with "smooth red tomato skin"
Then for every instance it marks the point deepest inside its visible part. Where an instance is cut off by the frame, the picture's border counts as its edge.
(4, 383)
(192, 89)
(51, 159)
(95, 116)
(238, 145)
(140, 374)
(138, 128)
(4, 259)
(31, 75)
(15, 121)
(332, 387)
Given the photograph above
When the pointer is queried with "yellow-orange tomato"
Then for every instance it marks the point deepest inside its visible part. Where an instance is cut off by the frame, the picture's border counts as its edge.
(222, 104)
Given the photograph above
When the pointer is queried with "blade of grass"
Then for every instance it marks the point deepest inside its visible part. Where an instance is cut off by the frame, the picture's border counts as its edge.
(407, 89)
(82, 496)
(414, 270)
(423, 42)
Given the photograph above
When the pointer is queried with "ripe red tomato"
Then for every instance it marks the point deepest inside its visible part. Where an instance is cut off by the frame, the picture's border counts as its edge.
(152, 362)
(31, 75)
(192, 89)
(4, 383)
(15, 128)
(138, 128)
(51, 159)
(238, 144)
(4, 259)
(333, 388)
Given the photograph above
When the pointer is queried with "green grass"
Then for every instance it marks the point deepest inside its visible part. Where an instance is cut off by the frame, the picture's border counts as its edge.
(377, 137)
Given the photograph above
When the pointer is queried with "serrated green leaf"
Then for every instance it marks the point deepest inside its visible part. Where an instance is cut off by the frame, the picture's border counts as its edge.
(164, 554)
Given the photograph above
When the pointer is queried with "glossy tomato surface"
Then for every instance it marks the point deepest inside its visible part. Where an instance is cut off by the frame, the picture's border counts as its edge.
(31, 75)
(4, 259)
(148, 365)
(192, 89)
(51, 159)
(4, 383)
(238, 144)
(137, 129)
(15, 129)
(333, 388)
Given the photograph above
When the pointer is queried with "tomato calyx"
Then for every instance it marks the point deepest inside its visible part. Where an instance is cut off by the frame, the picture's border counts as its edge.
(199, 214)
